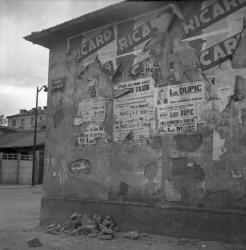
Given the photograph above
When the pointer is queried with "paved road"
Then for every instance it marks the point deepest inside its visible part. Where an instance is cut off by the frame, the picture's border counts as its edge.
(19, 219)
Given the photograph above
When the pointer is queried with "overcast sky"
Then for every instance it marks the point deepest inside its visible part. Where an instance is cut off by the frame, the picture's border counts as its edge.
(23, 65)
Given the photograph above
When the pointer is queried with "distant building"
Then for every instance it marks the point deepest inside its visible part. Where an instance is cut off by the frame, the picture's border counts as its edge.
(26, 119)
(3, 120)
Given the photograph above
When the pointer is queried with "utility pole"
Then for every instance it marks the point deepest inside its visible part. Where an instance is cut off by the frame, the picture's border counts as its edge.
(35, 133)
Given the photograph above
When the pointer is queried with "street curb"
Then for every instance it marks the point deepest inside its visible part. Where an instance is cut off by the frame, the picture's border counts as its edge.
(18, 187)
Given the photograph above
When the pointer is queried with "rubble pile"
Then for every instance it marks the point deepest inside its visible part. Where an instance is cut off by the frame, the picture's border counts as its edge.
(82, 224)
(34, 242)
(134, 235)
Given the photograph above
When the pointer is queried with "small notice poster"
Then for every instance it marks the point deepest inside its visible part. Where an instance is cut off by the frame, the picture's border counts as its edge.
(137, 88)
(92, 133)
(90, 110)
(177, 118)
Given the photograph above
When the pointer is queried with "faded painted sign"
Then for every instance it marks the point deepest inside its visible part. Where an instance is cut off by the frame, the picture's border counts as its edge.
(58, 84)
(177, 118)
(219, 52)
(144, 67)
(181, 93)
(91, 110)
(211, 14)
(135, 116)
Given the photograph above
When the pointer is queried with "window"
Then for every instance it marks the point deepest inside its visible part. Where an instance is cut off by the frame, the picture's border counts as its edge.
(22, 122)
(32, 120)
(14, 122)
(40, 118)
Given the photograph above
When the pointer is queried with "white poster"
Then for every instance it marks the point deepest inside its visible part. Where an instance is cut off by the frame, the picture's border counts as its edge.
(137, 88)
(133, 118)
(90, 110)
(90, 136)
(181, 93)
(177, 118)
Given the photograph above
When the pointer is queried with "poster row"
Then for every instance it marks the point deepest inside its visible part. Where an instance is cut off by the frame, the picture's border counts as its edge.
(143, 110)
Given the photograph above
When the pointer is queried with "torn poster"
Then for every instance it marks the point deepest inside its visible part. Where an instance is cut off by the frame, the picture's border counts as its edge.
(91, 110)
(135, 116)
(137, 88)
(211, 14)
(218, 146)
(173, 119)
(90, 136)
(83, 48)
(136, 32)
(219, 53)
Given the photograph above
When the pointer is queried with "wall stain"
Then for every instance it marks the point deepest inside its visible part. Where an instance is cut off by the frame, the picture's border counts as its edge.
(188, 178)
(188, 143)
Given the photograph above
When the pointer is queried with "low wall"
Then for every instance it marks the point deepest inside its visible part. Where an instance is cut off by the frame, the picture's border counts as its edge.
(15, 170)
(205, 224)
(9, 171)
(25, 172)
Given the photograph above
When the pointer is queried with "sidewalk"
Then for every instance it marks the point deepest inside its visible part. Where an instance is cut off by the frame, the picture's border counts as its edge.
(19, 221)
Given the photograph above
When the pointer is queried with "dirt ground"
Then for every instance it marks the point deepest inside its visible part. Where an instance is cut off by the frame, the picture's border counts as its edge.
(19, 220)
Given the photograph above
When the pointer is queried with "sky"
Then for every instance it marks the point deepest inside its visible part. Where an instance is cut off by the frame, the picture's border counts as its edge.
(23, 65)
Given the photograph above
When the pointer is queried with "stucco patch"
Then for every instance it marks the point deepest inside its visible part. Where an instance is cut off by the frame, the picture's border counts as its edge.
(188, 143)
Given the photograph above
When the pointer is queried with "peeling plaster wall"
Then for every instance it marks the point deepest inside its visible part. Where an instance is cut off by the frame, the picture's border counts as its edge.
(200, 165)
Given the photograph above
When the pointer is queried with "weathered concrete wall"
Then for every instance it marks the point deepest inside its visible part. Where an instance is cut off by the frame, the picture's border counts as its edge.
(152, 110)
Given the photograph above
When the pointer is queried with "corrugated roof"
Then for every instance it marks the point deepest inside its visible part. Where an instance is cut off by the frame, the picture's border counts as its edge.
(21, 139)
(107, 15)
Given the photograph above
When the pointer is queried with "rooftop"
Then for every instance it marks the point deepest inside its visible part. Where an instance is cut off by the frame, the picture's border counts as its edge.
(113, 13)
(24, 112)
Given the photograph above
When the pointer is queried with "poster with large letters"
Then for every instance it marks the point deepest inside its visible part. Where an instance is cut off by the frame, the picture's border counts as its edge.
(177, 107)
(181, 93)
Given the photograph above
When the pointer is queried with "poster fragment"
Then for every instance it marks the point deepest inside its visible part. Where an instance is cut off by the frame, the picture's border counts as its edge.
(91, 111)
(137, 88)
(211, 14)
(173, 119)
(134, 117)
